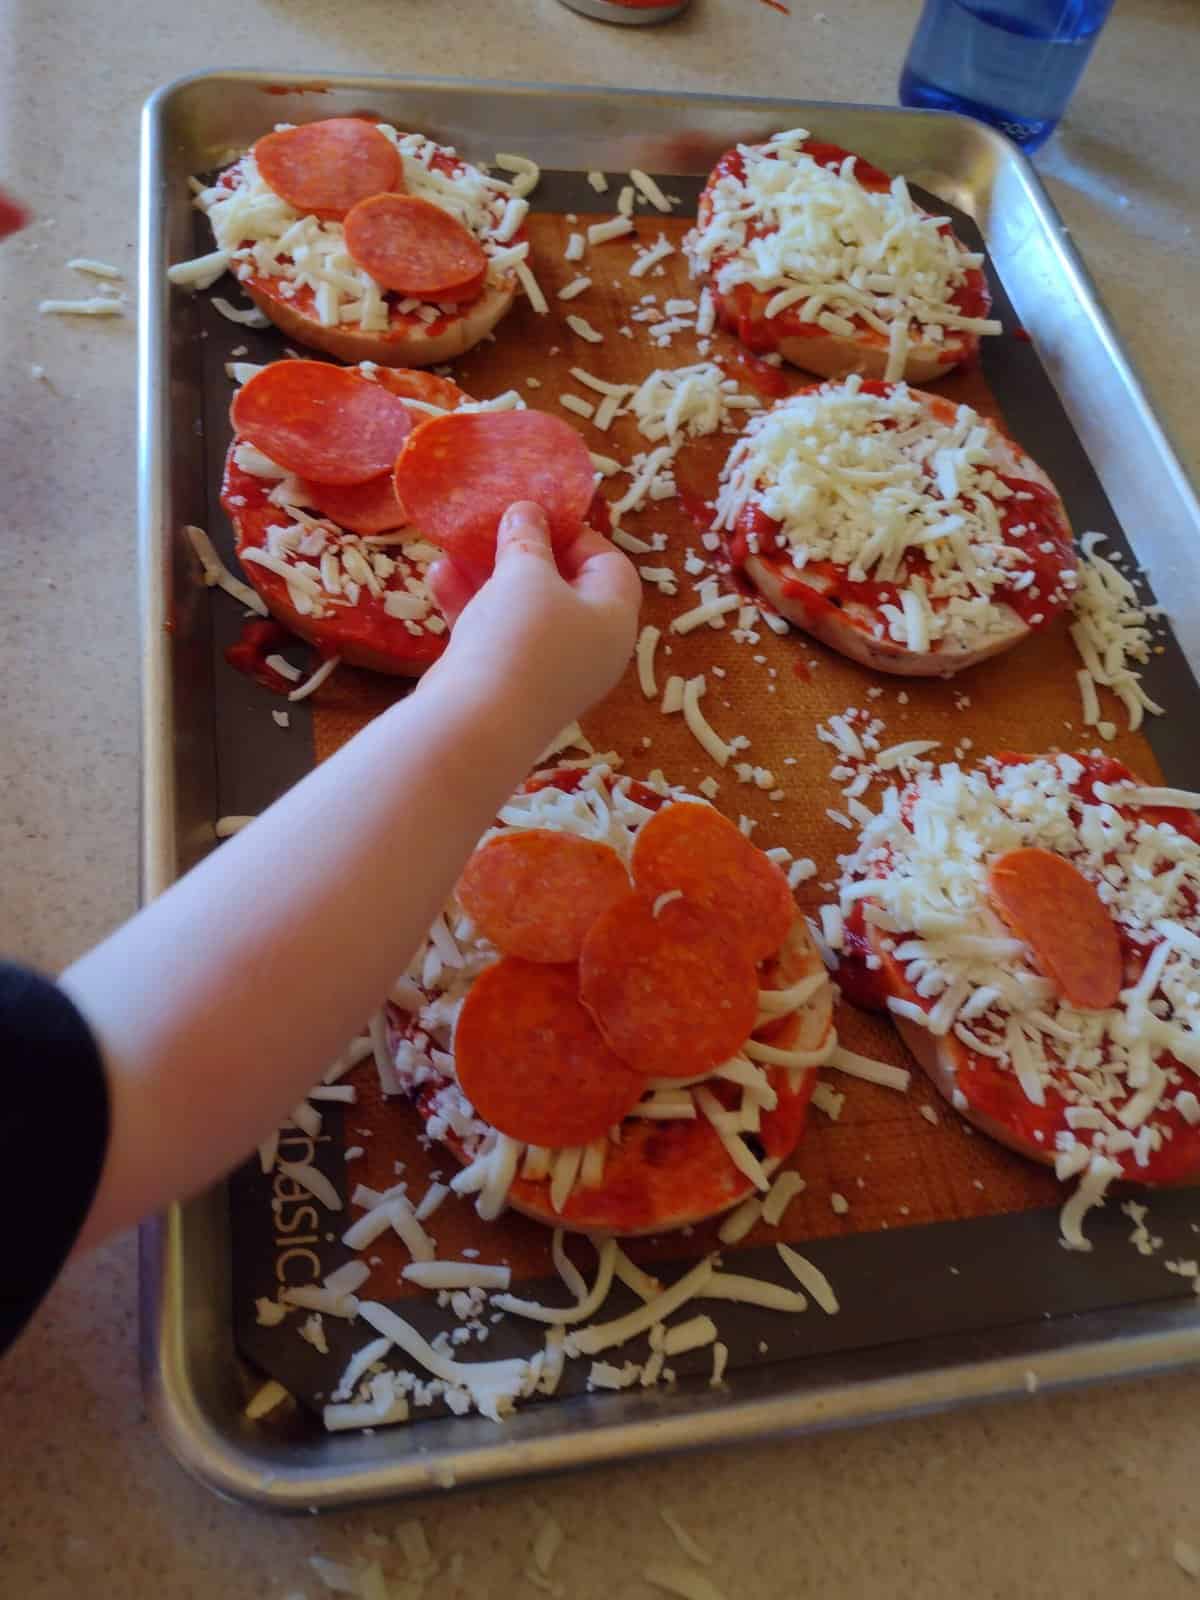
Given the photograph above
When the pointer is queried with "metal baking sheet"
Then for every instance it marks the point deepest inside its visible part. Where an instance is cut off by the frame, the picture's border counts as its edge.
(1070, 1327)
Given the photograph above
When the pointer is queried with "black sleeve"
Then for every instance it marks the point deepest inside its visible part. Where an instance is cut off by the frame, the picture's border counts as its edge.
(54, 1121)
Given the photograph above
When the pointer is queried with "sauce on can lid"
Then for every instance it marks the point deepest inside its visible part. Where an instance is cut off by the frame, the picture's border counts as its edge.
(634, 12)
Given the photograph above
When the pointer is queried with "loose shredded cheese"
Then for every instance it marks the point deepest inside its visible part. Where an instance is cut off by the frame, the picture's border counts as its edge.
(810, 1277)
(96, 306)
(265, 1400)
(218, 574)
(752, 1292)
(681, 1581)
(456, 1275)
(880, 1072)
(603, 1335)
(705, 736)
(780, 1196)
(492, 1385)
(690, 1547)
(568, 1314)
(646, 646)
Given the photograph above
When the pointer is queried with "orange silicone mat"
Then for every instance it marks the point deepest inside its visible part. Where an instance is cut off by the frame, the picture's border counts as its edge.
(893, 1165)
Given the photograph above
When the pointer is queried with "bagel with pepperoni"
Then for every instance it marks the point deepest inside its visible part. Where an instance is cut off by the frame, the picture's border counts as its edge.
(615, 1024)
(365, 242)
(345, 484)
(813, 254)
(319, 531)
(1032, 927)
(906, 532)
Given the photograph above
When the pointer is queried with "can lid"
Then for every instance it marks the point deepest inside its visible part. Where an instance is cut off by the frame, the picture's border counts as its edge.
(635, 13)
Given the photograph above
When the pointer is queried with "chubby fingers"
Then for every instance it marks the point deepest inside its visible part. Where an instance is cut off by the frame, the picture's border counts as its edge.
(594, 566)
(523, 532)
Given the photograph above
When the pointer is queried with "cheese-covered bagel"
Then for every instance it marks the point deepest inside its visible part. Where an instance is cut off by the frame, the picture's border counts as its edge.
(413, 272)
(812, 252)
(1033, 928)
(611, 1048)
(910, 534)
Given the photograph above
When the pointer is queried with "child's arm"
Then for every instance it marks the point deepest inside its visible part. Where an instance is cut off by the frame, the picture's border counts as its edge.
(220, 1005)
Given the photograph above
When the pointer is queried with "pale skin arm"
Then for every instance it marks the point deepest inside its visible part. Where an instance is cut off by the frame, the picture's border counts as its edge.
(220, 1005)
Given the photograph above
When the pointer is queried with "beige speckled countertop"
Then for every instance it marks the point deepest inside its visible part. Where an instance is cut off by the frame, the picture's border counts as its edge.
(1070, 1496)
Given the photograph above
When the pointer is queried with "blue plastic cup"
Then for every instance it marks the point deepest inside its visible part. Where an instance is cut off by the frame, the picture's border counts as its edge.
(1013, 63)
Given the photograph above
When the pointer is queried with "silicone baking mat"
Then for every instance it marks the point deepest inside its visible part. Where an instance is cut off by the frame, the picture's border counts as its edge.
(941, 1230)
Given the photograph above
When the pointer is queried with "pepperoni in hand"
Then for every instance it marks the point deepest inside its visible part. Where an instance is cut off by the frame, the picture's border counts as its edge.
(674, 994)
(457, 476)
(536, 893)
(324, 169)
(532, 1062)
(322, 422)
(1057, 912)
(415, 248)
(692, 848)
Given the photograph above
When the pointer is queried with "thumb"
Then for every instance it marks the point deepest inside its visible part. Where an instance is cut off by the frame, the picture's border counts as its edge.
(523, 530)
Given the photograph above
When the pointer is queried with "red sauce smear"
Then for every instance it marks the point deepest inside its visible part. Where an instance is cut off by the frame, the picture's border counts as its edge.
(695, 506)
(259, 640)
(765, 379)
(778, 5)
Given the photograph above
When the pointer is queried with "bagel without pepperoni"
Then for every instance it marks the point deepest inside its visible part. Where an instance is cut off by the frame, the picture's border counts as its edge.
(817, 597)
(862, 347)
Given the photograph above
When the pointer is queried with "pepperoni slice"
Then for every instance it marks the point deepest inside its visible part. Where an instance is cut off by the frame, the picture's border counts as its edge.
(535, 894)
(1056, 911)
(322, 422)
(415, 248)
(532, 1062)
(410, 384)
(324, 169)
(692, 848)
(673, 994)
(370, 507)
(373, 507)
(458, 475)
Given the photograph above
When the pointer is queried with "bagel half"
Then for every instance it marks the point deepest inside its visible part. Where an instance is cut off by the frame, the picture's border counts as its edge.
(856, 335)
(299, 272)
(820, 596)
(660, 1174)
(987, 1088)
(261, 503)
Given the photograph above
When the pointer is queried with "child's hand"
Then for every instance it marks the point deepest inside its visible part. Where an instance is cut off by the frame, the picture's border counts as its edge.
(558, 635)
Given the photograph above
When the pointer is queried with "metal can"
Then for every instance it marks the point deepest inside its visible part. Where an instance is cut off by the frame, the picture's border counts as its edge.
(635, 13)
